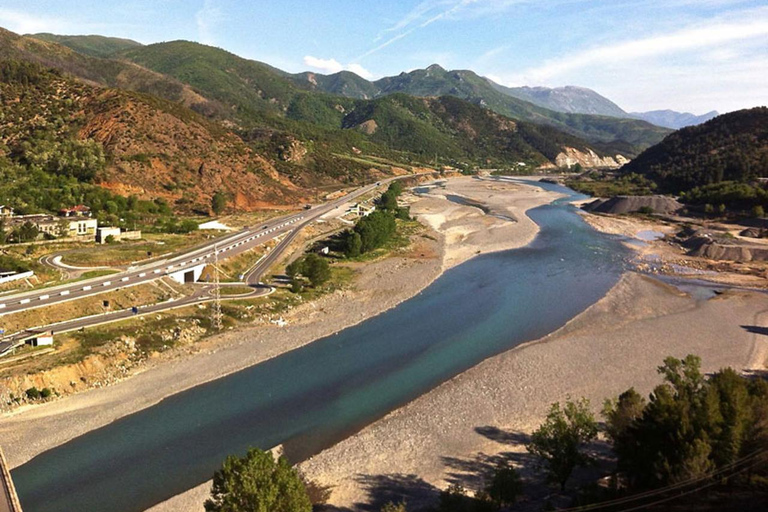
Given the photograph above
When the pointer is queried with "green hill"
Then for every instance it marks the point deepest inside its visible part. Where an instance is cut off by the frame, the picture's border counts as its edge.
(92, 45)
(730, 147)
(108, 72)
(455, 128)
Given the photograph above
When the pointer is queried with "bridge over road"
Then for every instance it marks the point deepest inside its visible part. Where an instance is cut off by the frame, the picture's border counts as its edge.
(9, 502)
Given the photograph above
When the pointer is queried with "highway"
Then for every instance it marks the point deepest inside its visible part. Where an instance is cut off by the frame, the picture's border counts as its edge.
(227, 246)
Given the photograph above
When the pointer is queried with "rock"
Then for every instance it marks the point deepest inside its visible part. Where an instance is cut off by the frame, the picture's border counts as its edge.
(589, 159)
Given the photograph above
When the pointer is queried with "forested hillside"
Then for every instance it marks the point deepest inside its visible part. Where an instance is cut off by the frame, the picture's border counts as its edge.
(731, 147)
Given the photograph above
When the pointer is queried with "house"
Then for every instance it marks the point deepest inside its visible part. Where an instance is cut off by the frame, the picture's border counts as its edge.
(82, 227)
(56, 226)
(6, 211)
(44, 223)
(79, 210)
(360, 210)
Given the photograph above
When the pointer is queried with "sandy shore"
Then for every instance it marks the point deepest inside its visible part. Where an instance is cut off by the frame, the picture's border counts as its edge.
(379, 286)
(458, 431)
(497, 223)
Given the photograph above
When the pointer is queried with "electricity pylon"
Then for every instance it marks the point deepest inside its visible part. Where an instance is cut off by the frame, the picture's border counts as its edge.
(216, 309)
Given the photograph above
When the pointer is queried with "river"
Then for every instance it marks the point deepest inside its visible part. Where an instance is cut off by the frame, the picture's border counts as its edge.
(315, 396)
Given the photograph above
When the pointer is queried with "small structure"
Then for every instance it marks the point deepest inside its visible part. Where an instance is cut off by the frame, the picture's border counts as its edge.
(103, 232)
(40, 339)
(116, 233)
(188, 275)
(6, 211)
(83, 227)
(360, 210)
(9, 500)
(6, 276)
(79, 210)
(325, 250)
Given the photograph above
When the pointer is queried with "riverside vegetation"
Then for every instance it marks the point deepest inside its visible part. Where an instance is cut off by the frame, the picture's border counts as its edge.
(693, 435)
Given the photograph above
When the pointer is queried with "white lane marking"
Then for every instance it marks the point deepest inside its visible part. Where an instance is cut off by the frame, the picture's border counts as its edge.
(157, 271)
(106, 283)
(125, 279)
(2, 306)
(24, 301)
(64, 292)
(44, 297)
(143, 274)
(86, 288)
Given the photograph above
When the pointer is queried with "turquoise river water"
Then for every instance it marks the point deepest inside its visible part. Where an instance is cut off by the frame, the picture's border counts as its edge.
(315, 396)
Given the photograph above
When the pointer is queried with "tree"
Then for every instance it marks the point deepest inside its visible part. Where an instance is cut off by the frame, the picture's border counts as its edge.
(219, 202)
(257, 483)
(394, 507)
(620, 414)
(353, 244)
(758, 211)
(316, 269)
(505, 486)
(561, 438)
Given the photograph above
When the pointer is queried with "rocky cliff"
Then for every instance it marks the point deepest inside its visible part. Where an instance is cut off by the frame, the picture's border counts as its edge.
(588, 159)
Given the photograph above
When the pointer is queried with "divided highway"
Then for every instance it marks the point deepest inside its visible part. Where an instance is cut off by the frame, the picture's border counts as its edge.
(227, 246)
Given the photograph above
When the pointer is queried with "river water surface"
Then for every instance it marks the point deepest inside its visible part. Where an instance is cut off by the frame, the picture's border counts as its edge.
(315, 396)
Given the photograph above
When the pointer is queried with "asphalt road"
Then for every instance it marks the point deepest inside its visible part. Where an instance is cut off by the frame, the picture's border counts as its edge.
(227, 246)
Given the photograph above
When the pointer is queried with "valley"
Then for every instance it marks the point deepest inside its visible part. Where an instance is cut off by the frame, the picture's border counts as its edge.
(349, 258)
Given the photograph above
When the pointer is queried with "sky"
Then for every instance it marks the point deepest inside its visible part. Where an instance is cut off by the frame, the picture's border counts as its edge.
(685, 55)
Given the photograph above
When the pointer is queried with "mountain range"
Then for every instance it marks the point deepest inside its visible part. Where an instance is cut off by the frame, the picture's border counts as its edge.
(277, 136)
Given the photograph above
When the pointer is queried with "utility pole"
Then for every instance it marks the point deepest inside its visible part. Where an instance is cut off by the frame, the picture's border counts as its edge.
(216, 309)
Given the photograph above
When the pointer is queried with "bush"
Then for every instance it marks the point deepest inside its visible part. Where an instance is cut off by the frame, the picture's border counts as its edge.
(45, 393)
(110, 239)
(561, 438)
(259, 483)
(505, 486)
(33, 393)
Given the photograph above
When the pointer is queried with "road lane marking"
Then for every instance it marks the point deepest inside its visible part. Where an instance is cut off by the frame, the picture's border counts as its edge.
(106, 283)
(44, 297)
(125, 279)
(64, 292)
(24, 301)
(86, 288)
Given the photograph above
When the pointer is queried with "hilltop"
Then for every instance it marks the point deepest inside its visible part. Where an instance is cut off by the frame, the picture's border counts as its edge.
(730, 147)
(92, 45)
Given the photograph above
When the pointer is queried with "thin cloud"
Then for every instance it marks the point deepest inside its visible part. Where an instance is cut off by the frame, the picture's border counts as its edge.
(418, 19)
(685, 40)
(23, 23)
(334, 66)
(206, 19)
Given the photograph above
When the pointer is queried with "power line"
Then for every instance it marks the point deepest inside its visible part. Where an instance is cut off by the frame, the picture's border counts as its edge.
(672, 487)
